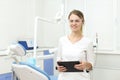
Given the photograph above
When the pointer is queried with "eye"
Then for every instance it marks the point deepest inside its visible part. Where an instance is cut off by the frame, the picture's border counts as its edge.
(70, 20)
(77, 20)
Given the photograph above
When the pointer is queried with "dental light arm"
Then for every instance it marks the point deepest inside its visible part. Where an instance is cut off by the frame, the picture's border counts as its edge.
(59, 16)
(58, 19)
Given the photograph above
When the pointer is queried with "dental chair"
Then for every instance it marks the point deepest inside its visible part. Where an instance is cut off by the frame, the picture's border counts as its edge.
(26, 70)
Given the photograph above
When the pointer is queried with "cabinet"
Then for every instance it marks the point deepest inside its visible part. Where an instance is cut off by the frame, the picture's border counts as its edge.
(107, 66)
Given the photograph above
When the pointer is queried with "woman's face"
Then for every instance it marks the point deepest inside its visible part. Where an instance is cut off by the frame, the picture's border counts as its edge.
(75, 23)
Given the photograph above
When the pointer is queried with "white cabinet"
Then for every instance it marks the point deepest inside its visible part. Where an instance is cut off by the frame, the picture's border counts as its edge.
(107, 66)
(5, 64)
(106, 74)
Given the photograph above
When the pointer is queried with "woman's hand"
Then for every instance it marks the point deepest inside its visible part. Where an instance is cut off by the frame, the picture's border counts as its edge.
(61, 68)
(83, 65)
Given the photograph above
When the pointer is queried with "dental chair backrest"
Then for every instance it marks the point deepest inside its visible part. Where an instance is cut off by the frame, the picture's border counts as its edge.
(25, 71)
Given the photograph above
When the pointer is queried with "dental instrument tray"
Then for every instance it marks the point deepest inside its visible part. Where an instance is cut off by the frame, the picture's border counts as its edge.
(70, 65)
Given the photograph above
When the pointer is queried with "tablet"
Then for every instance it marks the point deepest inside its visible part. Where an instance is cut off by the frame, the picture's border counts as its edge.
(70, 66)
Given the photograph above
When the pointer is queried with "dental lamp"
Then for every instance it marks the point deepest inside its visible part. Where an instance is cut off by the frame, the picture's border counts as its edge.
(17, 49)
(13, 51)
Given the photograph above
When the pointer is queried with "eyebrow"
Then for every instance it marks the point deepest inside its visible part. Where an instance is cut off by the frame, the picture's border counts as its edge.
(74, 20)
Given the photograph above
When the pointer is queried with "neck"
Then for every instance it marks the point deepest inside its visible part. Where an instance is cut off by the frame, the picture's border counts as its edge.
(76, 34)
(74, 37)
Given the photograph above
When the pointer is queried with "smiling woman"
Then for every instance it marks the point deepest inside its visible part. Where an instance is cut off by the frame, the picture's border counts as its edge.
(76, 21)
(75, 47)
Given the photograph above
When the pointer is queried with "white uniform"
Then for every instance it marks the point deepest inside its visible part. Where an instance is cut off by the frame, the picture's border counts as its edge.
(75, 52)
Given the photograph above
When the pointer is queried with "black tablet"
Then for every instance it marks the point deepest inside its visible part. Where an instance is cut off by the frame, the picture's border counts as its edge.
(70, 65)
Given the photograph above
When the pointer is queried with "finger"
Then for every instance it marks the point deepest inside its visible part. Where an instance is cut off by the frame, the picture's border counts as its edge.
(62, 69)
(79, 67)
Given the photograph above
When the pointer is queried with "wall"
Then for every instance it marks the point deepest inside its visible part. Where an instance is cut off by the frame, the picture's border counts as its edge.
(118, 24)
(16, 22)
(50, 31)
(101, 16)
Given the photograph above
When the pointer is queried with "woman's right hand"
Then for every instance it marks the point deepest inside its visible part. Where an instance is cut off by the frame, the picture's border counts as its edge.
(61, 68)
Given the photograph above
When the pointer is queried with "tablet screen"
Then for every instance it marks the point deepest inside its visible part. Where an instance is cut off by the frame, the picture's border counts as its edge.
(70, 66)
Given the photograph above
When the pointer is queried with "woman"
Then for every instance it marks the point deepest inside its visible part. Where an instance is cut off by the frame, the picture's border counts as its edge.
(75, 47)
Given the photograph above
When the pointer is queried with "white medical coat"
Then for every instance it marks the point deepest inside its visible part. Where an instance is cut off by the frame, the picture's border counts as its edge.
(75, 52)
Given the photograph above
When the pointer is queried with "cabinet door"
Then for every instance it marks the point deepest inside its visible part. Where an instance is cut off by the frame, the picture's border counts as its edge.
(106, 67)
(106, 74)
(100, 19)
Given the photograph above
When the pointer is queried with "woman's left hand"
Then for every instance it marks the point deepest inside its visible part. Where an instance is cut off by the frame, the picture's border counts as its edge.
(83, 65)
(80, 66)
